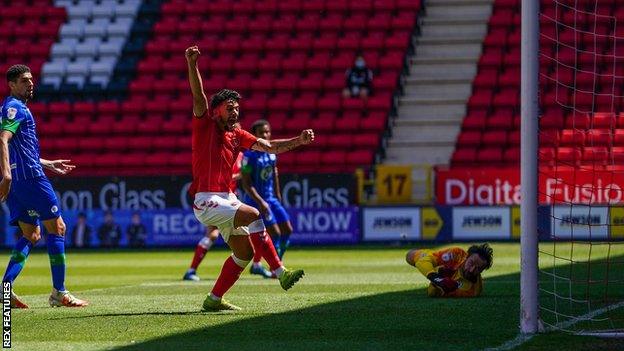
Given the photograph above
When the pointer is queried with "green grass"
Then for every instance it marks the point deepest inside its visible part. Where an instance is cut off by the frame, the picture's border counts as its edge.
(362, 298)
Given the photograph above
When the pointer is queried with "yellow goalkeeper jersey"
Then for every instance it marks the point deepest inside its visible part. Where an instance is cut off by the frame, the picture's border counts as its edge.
(447, 262)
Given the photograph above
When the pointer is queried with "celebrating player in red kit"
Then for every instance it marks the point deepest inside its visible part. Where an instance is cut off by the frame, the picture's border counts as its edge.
(217, 140)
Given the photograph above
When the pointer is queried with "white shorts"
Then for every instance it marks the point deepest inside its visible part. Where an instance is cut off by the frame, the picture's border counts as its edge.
(218, 209)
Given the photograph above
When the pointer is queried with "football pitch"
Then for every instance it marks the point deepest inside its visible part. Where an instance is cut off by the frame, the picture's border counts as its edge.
(352, 298)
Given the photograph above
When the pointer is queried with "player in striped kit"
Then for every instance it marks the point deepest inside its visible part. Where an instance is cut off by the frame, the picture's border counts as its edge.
(28, 192)
(217, 139)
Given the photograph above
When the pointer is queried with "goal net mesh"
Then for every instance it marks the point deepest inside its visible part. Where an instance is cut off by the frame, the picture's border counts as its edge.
(581, 172)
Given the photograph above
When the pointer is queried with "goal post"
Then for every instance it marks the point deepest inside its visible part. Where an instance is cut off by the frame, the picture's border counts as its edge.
(572, 167)
(529, 70)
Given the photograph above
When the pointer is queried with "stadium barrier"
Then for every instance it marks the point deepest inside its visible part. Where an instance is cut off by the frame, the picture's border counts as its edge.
(175, 227)
(496, 186)
(345, 225)
(152, 193)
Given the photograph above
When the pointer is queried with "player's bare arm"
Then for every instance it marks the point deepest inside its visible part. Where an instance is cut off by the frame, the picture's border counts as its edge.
(282, 145)
(61, 167)
(263, 207)
(5, 167)
(200, 102)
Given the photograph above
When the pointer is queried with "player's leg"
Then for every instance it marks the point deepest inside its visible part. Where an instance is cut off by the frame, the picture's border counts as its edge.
(200, 252)
(47, 206)
(242, 253)
(215, 210)
(286, 229)
(21, 250)
(283, 221)
(55, 241)
(250, 217)
(31, 233)
(19, 255)
(273, 230)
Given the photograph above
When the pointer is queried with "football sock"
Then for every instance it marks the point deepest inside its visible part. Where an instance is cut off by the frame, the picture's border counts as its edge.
(279, 271)
(18, 259)
(257, 254)
(200, 252)
(276, 244)
(230, 272)
(284, 243)
(56, 251)
(262, 242)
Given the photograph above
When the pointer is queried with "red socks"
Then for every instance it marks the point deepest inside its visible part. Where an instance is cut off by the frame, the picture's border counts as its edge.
(229, 275)
(257, 253)
(200, 252)
(263, 246)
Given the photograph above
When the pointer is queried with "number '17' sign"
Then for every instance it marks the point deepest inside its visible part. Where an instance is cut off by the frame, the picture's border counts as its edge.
(394, 184)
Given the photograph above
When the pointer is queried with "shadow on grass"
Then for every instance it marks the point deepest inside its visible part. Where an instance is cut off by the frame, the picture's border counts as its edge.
(395, 320)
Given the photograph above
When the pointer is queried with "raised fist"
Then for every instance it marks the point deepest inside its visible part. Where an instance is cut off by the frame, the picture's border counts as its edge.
(192, 54)
(307, 136)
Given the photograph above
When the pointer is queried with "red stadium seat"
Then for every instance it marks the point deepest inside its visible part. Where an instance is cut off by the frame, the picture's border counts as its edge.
(334, 158)
(360, 158)
(288, 59)
(340, 141)
(305, 102)
(494, 138)
(323, 123)
(595, 155)
(116, 144)
(469, 138)
(464, 156)
(376, 121)
(366, 141)
(512, 155)
(349, 121)
(490, 155)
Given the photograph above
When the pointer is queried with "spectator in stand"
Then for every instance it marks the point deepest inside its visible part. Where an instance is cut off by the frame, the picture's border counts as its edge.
(109, 232)
(81, 233)
(359, 79)
(137, 233)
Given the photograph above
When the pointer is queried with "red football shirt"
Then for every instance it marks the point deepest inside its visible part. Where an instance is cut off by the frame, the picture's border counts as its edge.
(214, 154)
(236, 171)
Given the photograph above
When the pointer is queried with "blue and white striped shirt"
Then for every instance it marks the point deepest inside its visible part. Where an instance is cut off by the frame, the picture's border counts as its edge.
(23, 146)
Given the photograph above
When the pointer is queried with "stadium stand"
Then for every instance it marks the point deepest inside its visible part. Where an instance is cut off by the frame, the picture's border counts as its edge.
(491, 129)
(114, 84)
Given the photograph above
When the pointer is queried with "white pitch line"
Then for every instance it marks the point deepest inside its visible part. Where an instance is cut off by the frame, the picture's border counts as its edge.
(522, 338)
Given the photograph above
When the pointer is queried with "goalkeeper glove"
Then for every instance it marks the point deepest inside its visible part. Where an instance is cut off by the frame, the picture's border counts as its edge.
(446, 272)
(447, 284)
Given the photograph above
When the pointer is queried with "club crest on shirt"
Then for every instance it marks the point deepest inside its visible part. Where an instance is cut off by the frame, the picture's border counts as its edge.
(447, 257)
(11, 113)
(33, 213)
(54, 209)
(235, 142)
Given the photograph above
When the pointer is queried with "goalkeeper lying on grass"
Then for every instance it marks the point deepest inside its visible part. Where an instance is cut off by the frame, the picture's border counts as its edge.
(453, 272)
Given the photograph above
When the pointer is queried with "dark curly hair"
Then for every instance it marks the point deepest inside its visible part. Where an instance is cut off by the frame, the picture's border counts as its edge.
(484, 251)
(15, 72)
(258, 124)
(222, 96)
